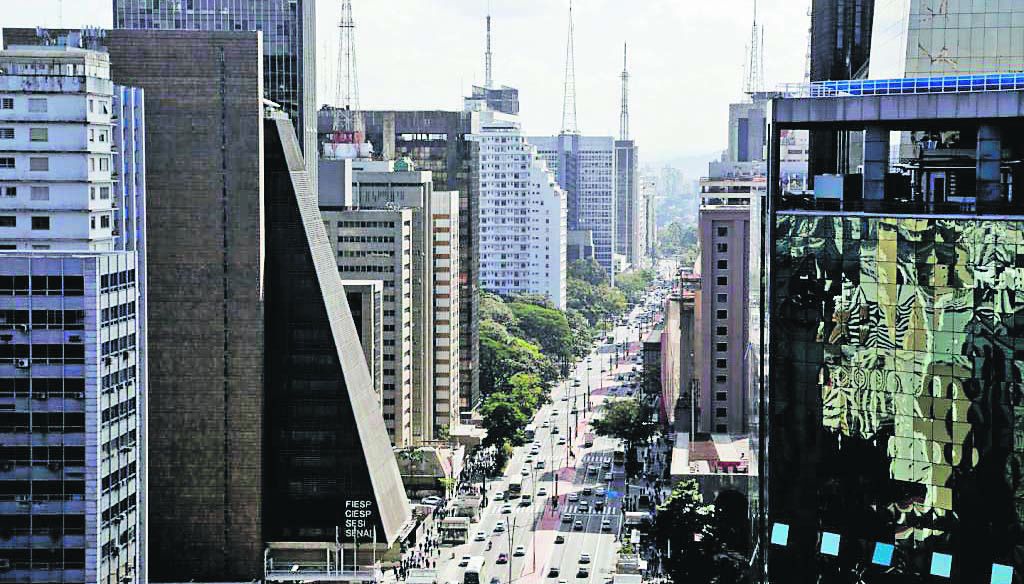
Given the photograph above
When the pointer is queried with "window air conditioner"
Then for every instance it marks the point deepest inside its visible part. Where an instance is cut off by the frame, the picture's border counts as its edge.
(21, 363)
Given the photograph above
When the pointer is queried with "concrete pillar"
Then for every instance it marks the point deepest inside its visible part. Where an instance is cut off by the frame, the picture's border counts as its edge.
(876, 162)
(990, 153)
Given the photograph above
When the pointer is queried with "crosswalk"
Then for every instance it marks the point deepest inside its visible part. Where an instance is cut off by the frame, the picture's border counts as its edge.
(574, 509)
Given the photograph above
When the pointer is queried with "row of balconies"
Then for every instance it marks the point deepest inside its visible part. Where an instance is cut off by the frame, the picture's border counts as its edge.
(27, 505)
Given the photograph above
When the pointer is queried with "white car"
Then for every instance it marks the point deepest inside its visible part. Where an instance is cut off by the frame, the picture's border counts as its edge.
(525, 471)
(499, 528)
(573, 497)
(600, 491)
(464, 561)
(542, 492)
(506, 509)
(561, 440)
(480, 536)
(499, 496)
(608, 476)
(584, 558)
(519, 551)
(432, 500)
(545, 424)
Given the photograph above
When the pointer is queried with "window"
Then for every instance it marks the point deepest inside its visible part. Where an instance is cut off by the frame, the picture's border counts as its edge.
(8, 221)
(92, 222)
(721, 314)
(40, 246)
(91, 104)
(8, 246)
(104, 109)
(720, 363)
(722, 280)
(104, 221)
(723, 232)
(103, 136)
(720, 413)
(104, 192)
(721, 395)
(721, 428)
(6, 162)
(92, 193)
(39, 134)
(40, 223)
(39, 164)
(7, 103)
(40, 193)
(723, 264)
(10, 191)
(723, 298)
(722, 247)
(37, 104)
(92, 135)
(721, 347)
(6, 133)
(721, 379)
(104, 163)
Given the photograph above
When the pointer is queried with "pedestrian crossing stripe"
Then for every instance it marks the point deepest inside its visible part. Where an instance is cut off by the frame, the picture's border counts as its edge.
(608, 510)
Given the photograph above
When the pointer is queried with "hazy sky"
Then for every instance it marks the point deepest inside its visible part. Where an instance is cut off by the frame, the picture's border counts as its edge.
(686, 57)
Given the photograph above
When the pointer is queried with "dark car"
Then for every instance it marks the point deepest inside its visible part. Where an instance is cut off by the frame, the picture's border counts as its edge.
(502, 558)
(559, 538)
(583, 573)
(553, 572)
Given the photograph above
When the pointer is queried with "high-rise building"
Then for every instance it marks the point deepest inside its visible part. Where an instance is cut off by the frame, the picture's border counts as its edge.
(366, 303)
(377, 243)
(584, 167)
(438, 141)
(648, 216)
(523, 215)
(887, 346)
(72, 319)
(289, 47)
(445, 215)
(629, 207)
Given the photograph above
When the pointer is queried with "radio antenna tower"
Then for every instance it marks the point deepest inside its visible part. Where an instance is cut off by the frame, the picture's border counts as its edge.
(569, 94)
(488, 78)
(755, 69)
(624, 116)
(348, 121)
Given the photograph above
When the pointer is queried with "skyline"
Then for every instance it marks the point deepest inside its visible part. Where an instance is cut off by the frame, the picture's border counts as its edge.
(650, 27)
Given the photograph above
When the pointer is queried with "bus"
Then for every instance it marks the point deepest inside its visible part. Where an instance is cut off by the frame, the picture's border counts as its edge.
(515, 487)
(530, 432)
(588, 439)
(619, 456)
(475, 572)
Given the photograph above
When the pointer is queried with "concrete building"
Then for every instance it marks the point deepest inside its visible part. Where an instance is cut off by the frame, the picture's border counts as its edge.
(580, 246)
(366, 303)
(289, 47)
(72, 319)
(648, 220)
(438, 141)
(523, 214)
(747, 130)
(377, 243)
(885, 346)
(629, 206)
(445, 213)
(502, 99)
(584, 167)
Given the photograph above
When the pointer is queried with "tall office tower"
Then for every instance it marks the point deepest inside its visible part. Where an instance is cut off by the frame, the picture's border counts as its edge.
(72, 324)
(523, 215)
(747, 130)
(723, 231)
(330, 472)
(584, 167)
(366, 303)
(289, 47)
(647, 218)
(377, 243)
(888, 342)
(389, 185)
(437, 141)
(629, 230)
(445, 216)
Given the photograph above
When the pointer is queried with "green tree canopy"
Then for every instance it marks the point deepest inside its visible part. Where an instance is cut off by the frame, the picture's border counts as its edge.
(635, 284)
(589, 271)
(546, 327)
(504, 419)
(626, 419)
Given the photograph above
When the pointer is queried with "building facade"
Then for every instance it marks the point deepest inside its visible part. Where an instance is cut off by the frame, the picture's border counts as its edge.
(445, 214)
(629, 207)
(289, 47)
(366, 303)
(523, 215)
(584, 167)
(377, 243)
(72, 323)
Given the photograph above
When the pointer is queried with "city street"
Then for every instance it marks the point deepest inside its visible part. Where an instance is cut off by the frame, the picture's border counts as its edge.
(579, 478)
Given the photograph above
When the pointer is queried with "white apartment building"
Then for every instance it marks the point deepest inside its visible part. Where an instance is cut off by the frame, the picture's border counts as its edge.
(445, 209)
(377, 244)
(523, 215)
(585, 168)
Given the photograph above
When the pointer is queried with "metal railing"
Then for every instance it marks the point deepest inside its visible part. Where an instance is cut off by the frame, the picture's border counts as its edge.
(982, 82)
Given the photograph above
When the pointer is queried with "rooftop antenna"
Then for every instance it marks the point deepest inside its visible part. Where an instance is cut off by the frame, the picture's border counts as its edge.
(755, 69)
(569, 94)
(347, 121)
(488, 78)
(810, 39)
(624, 116)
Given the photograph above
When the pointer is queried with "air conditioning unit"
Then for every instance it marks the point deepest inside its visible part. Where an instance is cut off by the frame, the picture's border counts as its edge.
(21, 327)
(40, 395)
(21, 363)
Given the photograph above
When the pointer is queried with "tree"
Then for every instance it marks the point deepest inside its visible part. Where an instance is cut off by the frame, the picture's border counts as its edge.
(589, 271)
(546, 327)
(635, 284)
(504, 419)
(626, 419)
(596, 303)
(503, 355)
(493, 308)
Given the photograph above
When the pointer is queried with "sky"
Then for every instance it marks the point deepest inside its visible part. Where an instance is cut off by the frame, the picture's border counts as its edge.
(686, 58)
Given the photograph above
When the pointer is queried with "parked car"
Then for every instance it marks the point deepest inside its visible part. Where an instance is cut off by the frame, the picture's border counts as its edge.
(583, 573)
(542, 492)
(432, 500)
(566, 518)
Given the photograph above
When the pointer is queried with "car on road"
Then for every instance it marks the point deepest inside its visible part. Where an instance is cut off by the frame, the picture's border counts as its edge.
(525, 501)
(606, 465)
(561, 440)
(576, 382)
(499, 496)
(599, 505)
(588, 491)
(542, 492)
(499, 527)
(608, 476)
(553, 572)
(566, 518)
(559, 538)
(529, 458)
(565, 398)
(432, 501)
(539, 465)
(525, 471)
(502, 558)
(545, 424)
(554, 413)
(573, 497)
(464, 561)
(480, 536)
(519, 551)
(584, 558)
(606, 525)
(495, 580)
(600, 491)
(506, 509)
(555, 430)
(577, 526)
(583, 573)
(584, 506)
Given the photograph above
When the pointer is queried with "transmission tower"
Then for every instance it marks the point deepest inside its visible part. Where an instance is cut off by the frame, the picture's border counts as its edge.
(348, 121)
(569, 93)
(488, 78)
(755, 69)
(624, 116)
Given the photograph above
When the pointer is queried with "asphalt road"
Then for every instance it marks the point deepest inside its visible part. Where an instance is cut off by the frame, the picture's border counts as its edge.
(535, 527)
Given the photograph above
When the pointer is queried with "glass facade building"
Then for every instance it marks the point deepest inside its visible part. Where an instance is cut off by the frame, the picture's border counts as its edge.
(289, 47)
